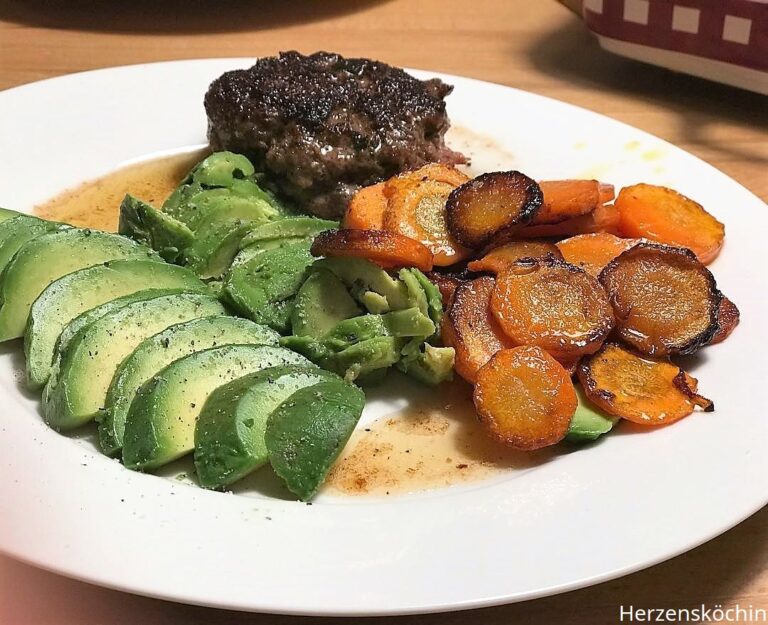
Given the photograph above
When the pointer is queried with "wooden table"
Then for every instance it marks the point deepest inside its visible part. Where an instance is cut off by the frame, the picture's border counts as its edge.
(536, 45)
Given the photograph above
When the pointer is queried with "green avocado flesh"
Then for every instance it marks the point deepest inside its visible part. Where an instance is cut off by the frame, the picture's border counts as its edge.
(588, 422)
(363, 277)
(147, 225)
(7, 213)
(17, 230)
(229, 436)
(263, 287)
(215, 247)
(160, 426)
(159, 351)
(307, 432)
(74, 396)
(48, 257)
(321, 303)
(288, 228)
(80, 291)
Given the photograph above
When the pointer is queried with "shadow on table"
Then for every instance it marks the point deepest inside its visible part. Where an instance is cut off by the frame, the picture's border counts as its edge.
(174, 16)
(571, 52)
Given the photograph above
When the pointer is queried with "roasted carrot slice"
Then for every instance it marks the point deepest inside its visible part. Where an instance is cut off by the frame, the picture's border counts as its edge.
(471, 329)
(605, 218)
(498, 259)
(566, 199)
(492, 207)
(366, 209)
(384, 248)
(525, 398)
(592, 252)
(553, 305)
(665, 300)
(666, 216)
(638, 388)
(727, 319)
(416, 208)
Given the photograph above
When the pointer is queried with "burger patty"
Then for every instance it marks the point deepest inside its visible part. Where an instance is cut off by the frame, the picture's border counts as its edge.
(322, 126)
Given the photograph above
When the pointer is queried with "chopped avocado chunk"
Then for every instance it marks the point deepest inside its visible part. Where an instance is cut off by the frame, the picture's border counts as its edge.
(159, 351)
(48, 257)
(589, 422)
(362, 276)
(229, 436)
(362, 358)
(288, 228)
(73, 294)
(434, 298)
(410, 322)
(78, 392)
(321, 303)
(431, 366)
(263, 288)
(16, 231)
(160, 426)
(147, 225)
(308, 431)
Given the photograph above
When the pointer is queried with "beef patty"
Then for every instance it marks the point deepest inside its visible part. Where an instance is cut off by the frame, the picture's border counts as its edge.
(322, 126)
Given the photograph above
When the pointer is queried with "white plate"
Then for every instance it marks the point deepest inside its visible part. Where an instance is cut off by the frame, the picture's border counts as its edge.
(584, 517)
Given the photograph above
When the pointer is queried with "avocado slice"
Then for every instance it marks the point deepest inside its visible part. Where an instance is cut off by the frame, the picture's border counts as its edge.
(78, 392)
(147, 225)
(308, 431)
(321, 303)
(160, 426)
(263, 287)
(73, 294)
(17, 230)
(48, 257)
(588, 422)
(288, 228)
(221, 169)
(215, 247)
(159, 351)
(7, 213)
(431, 366)
(229, 436)
(363, 277)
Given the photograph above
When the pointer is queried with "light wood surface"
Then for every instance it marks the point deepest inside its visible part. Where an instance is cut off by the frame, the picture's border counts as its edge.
(537, 45)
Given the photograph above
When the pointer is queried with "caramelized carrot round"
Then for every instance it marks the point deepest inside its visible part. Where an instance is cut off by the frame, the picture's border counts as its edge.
(416, 208)
(592, 252)
(566, 199)
(666, 216)
(492, 207)
(366, 209)
(665, 300)
(447, 284)
(498, 259)
(471, 329)
(605, 218)
(384, 248)
(727, 319)
(553, 305)
(525, 398)
(638, 388)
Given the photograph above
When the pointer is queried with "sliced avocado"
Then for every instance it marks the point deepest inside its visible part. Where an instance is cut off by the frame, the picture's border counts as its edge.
(73, 294)
(589, 422)
(229, 436)
(147, 225)
(316, 350)
(308, 431)
(74, 396)
(215, 247)
(321, 303)
(434, 298)
(48, 257)
(160, 426)
(410, 322)
(7, 213)
(159, 351)
(221, 169)
(432, 365)
(16, 231)
(362, 276)
(288, 228)
(263, 287)
(362, 358)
